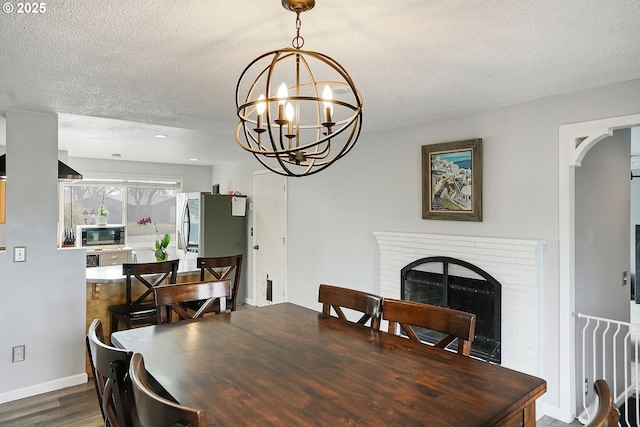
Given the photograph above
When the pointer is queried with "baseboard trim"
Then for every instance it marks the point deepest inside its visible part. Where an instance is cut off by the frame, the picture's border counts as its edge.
(34, 390)
(553, 412)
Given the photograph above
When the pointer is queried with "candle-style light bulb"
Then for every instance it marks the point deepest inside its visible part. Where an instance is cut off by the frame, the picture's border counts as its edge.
(261, 106)
(283, 92)
(327, 95)
(289, 115)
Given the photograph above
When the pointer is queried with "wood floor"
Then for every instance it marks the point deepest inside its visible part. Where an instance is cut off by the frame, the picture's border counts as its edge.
(75, 406)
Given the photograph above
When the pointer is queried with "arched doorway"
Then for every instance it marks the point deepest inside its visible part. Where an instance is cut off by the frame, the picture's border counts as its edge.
(575, 140)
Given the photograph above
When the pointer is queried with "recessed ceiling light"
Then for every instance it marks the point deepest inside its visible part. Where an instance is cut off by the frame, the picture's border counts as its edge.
(194, 159)
(160, 135)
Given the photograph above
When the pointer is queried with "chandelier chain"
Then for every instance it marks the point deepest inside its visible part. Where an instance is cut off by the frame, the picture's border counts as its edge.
(298, 41)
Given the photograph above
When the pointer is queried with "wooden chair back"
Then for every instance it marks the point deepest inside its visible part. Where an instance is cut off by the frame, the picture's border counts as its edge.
(155, 411)
(139, 307)
(110, 368)
(223, 268)
(453, 323)
(335, 297)
(169, 298)
(607, 414)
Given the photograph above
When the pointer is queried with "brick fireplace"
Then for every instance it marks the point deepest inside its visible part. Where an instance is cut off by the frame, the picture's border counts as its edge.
(454, 283)
(515, 263)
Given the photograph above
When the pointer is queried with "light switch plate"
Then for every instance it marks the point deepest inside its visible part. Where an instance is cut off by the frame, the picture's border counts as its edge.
(19, 254)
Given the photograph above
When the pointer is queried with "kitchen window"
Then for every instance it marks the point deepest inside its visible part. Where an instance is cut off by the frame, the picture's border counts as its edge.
(127, 201)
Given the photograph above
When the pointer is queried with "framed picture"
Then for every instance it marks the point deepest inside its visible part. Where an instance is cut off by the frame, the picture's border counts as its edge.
(452, 180)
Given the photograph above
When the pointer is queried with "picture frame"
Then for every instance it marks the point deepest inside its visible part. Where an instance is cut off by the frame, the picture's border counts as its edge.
(452, 180)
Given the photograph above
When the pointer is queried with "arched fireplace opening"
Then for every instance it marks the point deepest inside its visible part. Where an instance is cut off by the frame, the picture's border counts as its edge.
(457, 284)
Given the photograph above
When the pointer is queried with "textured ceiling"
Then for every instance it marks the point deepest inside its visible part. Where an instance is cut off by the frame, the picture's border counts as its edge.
(120, 71)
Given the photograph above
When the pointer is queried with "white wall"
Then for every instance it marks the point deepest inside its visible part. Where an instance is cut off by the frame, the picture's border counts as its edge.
(602, 218)
(236, 176)
(333, 214)
(43, 299)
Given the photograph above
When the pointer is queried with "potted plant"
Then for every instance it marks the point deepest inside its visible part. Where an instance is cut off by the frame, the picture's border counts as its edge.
(102, 215)
(161, 244)
(161, 248)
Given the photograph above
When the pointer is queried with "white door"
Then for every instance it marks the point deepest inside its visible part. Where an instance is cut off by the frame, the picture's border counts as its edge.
(269, 238)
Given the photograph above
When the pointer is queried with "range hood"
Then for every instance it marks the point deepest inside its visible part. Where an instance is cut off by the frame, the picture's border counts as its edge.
(65, 173)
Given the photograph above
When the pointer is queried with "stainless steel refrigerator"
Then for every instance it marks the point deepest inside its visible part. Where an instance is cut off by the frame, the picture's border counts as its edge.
(213, 225)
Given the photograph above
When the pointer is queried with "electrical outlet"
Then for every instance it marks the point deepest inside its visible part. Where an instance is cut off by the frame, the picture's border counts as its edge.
(20, 254)
(18, 354)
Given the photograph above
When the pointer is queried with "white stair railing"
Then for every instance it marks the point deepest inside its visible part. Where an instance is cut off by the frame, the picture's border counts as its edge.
(610, 352)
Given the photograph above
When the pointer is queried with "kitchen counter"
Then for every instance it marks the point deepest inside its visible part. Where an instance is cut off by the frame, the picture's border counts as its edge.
(105, 286)
(113, 273)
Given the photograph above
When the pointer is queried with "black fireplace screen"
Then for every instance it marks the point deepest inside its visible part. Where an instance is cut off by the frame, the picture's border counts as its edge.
(457, 284)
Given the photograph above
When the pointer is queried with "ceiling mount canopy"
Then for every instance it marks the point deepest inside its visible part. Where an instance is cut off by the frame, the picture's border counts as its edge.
(298, 5)
(299, 110)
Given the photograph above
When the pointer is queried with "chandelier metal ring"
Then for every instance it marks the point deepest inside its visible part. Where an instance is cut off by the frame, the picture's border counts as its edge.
(312, 119)
(297, 42)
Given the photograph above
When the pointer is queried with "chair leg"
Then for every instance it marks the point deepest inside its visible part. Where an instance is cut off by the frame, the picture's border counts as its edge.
(114, 323)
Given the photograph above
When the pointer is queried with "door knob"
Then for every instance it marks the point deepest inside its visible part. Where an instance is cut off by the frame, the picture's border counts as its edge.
(256, 247)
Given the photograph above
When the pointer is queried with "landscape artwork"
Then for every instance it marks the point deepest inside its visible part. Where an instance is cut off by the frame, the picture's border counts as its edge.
(452, 180)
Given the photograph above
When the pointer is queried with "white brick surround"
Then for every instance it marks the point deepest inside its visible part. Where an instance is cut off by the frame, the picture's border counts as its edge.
(515, 263)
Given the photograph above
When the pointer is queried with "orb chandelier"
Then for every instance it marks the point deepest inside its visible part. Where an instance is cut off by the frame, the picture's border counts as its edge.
(299, 110)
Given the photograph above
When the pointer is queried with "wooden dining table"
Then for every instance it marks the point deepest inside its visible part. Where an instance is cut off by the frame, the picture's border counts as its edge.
(286, 365)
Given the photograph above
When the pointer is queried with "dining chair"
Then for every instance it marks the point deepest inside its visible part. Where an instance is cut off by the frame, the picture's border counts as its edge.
(452, 323)
(156, 411)
(170, 298)
(338, 298)
(219, 268)
(110, 368)
(139, 307)
(607, 414)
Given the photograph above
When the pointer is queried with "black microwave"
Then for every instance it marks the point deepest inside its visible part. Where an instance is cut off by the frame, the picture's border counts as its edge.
(100, 235)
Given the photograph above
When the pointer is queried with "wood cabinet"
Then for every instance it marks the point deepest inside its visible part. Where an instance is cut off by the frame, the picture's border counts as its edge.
(115, 257)
(109, 257)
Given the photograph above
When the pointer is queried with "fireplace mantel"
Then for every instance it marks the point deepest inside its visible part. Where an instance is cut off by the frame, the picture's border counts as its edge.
(515, 263)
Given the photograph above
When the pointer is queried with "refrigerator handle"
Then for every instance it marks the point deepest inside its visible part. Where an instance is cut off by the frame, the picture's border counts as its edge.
(186, 225)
